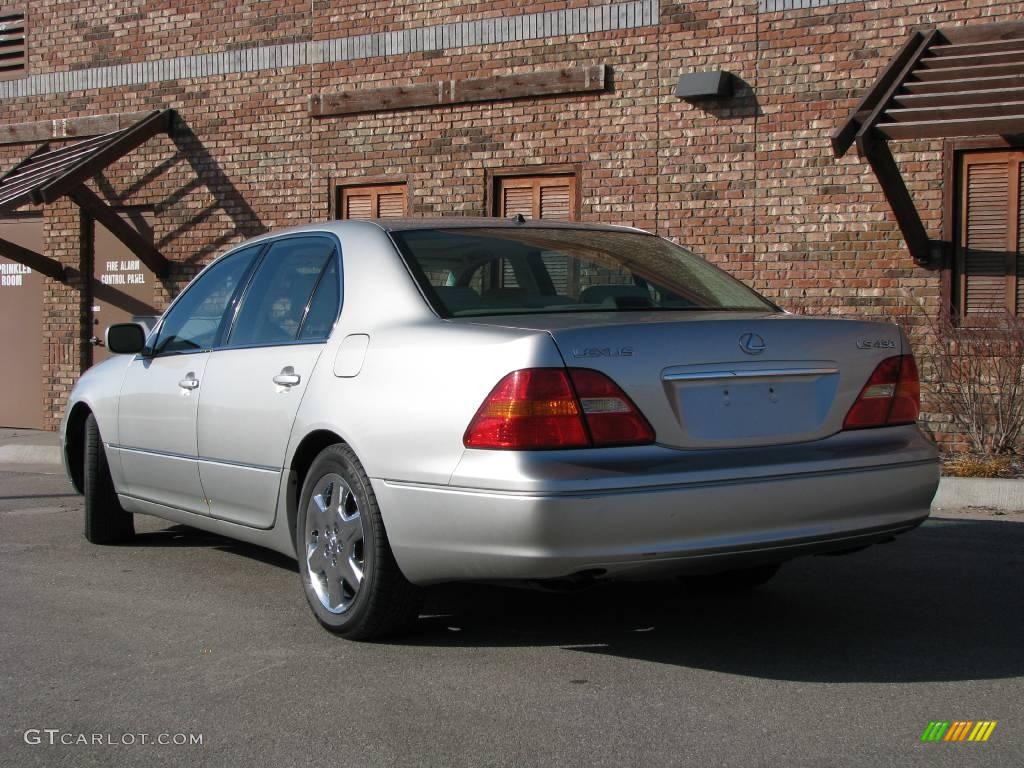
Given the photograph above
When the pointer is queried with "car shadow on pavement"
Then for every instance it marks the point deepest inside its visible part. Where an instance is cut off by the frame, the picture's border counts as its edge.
(941, 603)
(183, 536)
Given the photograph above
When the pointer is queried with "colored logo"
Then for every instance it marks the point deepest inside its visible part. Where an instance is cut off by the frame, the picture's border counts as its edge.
(958, 730)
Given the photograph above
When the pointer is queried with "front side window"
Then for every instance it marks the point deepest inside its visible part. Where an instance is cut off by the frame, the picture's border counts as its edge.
(197, 319)
(281, 297)
(507, 270)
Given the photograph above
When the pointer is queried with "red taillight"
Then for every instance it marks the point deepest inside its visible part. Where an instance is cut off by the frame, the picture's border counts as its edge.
(547, 408)
(534, 408)
(891, 396)
(611, 416)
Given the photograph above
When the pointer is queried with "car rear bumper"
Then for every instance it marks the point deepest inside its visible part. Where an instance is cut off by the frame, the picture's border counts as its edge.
(711, 512)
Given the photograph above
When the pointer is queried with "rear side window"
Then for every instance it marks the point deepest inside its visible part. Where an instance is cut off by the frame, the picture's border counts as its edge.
(196, 320)
(280, 295)
(323, 307)
(508, 270)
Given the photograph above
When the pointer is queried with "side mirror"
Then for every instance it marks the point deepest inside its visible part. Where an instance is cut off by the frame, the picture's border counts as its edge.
(126, 338)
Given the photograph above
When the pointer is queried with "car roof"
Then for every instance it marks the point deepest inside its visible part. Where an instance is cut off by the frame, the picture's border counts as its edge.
(441, 222)
(453, 222)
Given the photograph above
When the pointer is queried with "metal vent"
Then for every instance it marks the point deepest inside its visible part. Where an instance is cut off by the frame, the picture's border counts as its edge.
(12, 44)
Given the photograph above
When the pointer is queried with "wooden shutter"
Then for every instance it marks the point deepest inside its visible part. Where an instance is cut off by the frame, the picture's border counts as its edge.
(358, 206)
(376, 201)
(537, 197)
(517, 200)
(391, 205)
(13, 43)
(1018, 180)
(556, 201)
(989, 258)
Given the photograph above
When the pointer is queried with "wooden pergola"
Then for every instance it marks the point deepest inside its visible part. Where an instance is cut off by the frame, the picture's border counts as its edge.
(963, 81)
(47, 175)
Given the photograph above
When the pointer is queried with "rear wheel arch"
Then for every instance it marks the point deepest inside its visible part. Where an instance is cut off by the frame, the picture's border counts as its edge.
(303, 458)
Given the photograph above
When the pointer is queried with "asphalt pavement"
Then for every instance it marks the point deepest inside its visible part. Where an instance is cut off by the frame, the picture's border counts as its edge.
(181, 635)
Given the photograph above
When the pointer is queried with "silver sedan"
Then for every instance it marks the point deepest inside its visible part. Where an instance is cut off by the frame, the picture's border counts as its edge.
(402, 403)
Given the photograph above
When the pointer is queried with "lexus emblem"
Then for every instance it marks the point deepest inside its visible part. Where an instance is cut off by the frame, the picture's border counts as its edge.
(752, 344)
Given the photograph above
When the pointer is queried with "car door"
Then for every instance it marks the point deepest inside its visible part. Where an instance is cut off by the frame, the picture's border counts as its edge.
(159, 397)
(255, 381)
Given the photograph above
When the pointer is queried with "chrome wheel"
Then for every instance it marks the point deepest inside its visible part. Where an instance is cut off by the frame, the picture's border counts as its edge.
(334, 543)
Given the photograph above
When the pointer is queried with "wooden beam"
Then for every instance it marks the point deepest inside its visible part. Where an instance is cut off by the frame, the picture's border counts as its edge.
(67, 128)
(11, 198)
(973, 60)
(966, 84)
(958, 98)
(80, 172)
(843, 136)
(377, 99)
(499, 87)
(880, 158)
(867, 126)
(529, 84)
(982, 33)
(955, 112)
(1002, 69)
(1011, 125)
(42, 264)
(91, 203)
(40, 150)
(966, 49)
(44, 164)
(21, 184)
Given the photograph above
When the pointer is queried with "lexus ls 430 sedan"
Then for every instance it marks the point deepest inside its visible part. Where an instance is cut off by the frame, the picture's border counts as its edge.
(407, 402)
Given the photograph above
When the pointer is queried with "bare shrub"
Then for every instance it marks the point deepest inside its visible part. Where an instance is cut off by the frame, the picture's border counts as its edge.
(974, 373)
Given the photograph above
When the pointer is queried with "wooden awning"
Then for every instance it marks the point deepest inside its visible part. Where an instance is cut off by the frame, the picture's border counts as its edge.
(47, 175)
(955, 81)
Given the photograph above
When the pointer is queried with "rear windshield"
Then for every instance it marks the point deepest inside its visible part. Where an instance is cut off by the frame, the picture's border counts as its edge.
(492, 271)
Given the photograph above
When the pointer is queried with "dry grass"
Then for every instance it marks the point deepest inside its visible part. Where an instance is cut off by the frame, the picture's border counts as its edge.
(971, 465)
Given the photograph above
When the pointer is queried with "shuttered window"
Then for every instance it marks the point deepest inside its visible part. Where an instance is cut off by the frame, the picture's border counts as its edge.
(13, 43)
(375, 201)
(990, 253)
(537, 197)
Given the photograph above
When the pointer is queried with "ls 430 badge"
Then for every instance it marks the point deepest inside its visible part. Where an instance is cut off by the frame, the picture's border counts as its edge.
(876, 344)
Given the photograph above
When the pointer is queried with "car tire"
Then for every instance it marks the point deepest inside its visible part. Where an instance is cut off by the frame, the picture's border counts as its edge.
(106, 521)
(349, 574)
(733, 582)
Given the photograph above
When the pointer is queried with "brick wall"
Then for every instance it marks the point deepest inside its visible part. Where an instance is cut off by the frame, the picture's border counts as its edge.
(749, 182)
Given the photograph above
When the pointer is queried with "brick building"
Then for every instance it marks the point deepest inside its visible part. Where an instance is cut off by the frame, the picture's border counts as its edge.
(199, 125)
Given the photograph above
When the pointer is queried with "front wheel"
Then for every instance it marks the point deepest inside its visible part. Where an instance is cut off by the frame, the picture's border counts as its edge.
(106, 522)
(349, 573)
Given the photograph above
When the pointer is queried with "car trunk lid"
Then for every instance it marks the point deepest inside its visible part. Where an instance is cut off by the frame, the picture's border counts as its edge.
(725, 379)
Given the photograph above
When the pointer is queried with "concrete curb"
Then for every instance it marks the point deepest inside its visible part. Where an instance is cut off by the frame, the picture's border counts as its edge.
(30, 454)
(996, 493)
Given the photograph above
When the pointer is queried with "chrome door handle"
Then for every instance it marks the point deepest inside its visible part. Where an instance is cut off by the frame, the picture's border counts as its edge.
(189, 382)
(287, 378)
